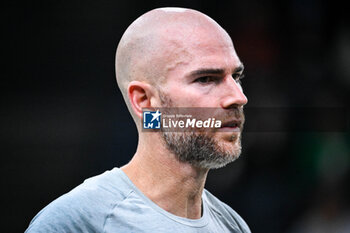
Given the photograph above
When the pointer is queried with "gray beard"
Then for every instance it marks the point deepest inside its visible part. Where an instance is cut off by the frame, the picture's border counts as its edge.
(199, 150)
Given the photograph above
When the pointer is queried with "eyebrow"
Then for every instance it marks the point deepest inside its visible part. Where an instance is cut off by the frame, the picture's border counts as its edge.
(215, 71)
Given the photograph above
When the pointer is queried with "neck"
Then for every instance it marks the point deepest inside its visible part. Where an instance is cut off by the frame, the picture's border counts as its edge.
(173, 185)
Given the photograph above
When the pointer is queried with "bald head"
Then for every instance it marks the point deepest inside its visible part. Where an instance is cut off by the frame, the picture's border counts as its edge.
(159, 41)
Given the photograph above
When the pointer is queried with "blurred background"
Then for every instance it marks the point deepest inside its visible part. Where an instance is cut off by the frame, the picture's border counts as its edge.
(64, 120)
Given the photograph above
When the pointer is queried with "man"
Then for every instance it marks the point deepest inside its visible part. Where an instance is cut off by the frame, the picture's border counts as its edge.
(168, 57)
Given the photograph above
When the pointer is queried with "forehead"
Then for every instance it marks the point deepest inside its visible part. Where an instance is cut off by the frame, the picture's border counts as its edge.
(202, 48)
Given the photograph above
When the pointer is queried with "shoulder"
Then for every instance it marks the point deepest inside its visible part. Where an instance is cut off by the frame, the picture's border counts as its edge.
(225, 211)
(83, 209)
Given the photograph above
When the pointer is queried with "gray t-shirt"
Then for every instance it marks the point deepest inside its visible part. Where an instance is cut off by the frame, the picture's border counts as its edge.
(110, 202)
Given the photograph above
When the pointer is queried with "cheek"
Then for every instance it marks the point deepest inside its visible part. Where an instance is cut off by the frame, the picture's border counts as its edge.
(184, 97)
(190, 97)
(187, 95)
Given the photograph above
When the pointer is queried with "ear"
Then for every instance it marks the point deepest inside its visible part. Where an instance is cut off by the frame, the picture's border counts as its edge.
(140, 95)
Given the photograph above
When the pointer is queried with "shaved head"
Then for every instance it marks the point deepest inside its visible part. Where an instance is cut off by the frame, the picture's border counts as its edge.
(160, 41)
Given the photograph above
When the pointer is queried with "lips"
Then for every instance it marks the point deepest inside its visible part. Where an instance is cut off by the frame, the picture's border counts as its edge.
(234, 125)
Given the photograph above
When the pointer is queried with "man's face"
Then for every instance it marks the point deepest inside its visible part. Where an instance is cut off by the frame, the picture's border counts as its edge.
(205, 72)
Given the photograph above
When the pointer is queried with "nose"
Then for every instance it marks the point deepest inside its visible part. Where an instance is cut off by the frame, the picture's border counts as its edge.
(233, 94)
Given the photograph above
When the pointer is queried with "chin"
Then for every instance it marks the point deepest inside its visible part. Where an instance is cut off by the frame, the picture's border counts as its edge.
(232, 148)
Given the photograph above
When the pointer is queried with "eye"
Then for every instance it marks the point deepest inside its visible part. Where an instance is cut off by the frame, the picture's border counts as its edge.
(238, 77)
(205, 79)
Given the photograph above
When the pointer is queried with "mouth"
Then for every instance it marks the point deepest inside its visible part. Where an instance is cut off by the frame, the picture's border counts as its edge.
(232, 126)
